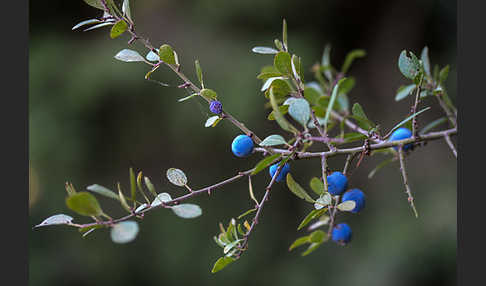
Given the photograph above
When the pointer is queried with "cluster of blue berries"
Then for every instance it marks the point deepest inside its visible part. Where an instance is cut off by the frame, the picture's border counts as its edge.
(337, 184)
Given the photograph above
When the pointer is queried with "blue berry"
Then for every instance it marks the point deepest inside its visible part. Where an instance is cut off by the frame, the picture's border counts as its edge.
(341, 233)
(357, 196)
(400, 134)
(283, 173)
(337, 183)
(216, 107)
(242, 145)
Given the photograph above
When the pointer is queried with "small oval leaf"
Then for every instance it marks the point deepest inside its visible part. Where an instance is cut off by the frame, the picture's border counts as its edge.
(273, 140)
(84, 203)
(127, 55)
(176, 177)
(264, 50)
(124, 232)
(161, 198)
(56, 219)
(346, 206)
(187, 210)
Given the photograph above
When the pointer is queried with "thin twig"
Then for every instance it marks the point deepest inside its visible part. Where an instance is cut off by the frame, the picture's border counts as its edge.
(415, 106)
(405, 180)
(451, 145)
(324, 172)
(349, 159)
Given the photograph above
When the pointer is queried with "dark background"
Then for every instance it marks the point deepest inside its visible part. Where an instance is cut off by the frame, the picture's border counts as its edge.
(91, 117)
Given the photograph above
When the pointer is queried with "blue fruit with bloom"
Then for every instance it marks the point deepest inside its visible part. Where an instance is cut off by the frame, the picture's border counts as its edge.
(216, 107)
(242, 145)
(337, 183)
(283, 173)
(341, 233)
(400, 134)
(357, 196)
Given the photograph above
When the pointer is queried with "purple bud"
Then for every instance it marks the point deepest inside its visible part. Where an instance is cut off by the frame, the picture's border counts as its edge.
(216, 107)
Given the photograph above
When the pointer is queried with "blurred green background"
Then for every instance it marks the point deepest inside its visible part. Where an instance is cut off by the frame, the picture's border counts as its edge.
(91, 117)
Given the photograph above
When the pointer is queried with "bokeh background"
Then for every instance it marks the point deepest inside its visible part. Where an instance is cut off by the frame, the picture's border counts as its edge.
(91, 117)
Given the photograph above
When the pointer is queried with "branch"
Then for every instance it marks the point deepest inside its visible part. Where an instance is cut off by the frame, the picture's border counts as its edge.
(405, 180)
(385, 144)
(170, 203)
(450, 115)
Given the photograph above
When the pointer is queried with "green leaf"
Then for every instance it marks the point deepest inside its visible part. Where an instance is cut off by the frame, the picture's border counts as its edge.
(98, 4)
(346, 206)
(312, 215)
(86, 230)
(311, 248)
(443, 74)
(160, 199)
(187, 210)
(176, 177)
(299, 241)
(324, 200)
(98, 26)
(317, 185)
(299, 109)
(312, 94)
(408, 118)
(152, 57)
(150, 186)
(360, 116)
(317, 236)
(230, 246)
(126, 9)
(295, 188)
(264, 50)
(379, 166)
(55, 220)
(267, 75)
(199, 73)
(167, 55)
(273, 140)
(246, 213)
(133, 184)
(350, 57)
(296, 69)
(127, 55)
(212, 121)
(282, 63)
(332, 100)
(281, 88)
(347, 85)
(404, 91)
(84, 203)
(124, 232)
(123, 201)
(282, 122)
(278, 44)
(424, 56)
(221, 263)
(85, 22)
(103, 191)
(284, 34)
(326, 61)
(265, 162)
(209, 94)
(119, 28)
(141, 207)
(353, 136)
(433, 124)
(284, 109)
(409, 66)
(187, 97)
